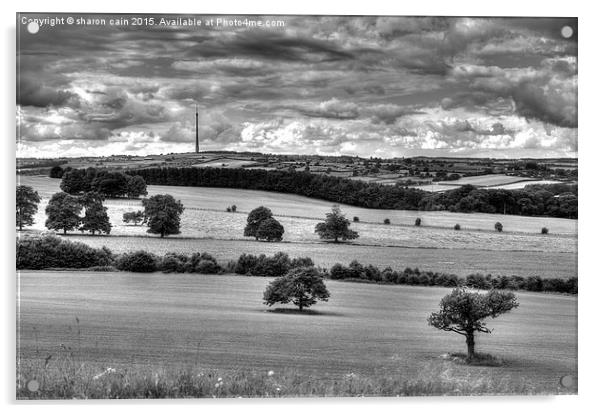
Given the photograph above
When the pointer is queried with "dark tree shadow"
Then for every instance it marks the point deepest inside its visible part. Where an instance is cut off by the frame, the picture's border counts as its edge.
(306, 312)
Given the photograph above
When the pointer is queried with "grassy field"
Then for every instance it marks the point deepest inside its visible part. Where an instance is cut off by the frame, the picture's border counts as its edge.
(133, 322)
(207, 227)
(297, 206)
(487, 180)
(455, 261)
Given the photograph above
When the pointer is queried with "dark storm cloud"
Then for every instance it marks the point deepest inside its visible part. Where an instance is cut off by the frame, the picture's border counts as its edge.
(428, 82)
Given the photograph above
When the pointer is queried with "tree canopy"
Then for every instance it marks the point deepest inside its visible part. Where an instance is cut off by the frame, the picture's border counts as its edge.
(27, 201)
(63, 212)
(302, 286)
(163, 214)
(95, 217)
(464, 312)
(270, 230)
(335, 227)
(254, 219)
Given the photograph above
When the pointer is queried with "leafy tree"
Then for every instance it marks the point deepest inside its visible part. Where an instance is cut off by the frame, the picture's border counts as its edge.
(544, 230)
(418, 222)
(135, 217)
(76, 181)
(387, 221)
(27, 201)
(163, 214)
(303, 286)
(56, 172)
(136, 186)
(63, 212)
(95, 216)
(498, 226)
(110, 184)
(233, 208)
(254, 219)
(270, 230)
(463, 312)
(336, 226)
(457, 227)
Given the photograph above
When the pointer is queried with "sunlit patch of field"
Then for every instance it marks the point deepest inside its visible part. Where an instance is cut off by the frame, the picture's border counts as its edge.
(218, 199)
(198, 323)
(460, 262)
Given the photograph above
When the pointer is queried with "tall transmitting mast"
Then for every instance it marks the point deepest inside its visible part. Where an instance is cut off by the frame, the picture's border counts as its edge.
(197, 128)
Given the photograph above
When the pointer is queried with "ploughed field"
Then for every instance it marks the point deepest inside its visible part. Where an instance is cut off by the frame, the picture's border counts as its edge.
(200, 321)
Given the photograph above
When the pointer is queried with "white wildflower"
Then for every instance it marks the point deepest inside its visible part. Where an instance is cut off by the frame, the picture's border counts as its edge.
(270, 373)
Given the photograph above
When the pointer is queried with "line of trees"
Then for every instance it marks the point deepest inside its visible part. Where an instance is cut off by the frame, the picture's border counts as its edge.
(63, 213)
(106, 183)
(556, 200)
(161, 214)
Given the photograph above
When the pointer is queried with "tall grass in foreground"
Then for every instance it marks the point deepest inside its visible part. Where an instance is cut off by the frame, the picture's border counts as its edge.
(67, 378)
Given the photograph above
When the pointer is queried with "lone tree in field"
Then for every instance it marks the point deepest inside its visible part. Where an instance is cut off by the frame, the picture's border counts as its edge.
(136, 217)
(270, 230)
(63, 212)
(163, 214)
(254, 220)
(95, 217)
(463, 312)
(336, 226)
(27, 205)
(498, 226)
(302, 285)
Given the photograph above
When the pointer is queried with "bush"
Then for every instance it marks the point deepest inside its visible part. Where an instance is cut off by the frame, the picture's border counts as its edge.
(418, 222)
(196, 263)
(139, 261)
(356, 219)
(387, 221)
(53, 252)
(544, 230)
(498, 226)
(356, 271)
(457, 227)
(264, 266)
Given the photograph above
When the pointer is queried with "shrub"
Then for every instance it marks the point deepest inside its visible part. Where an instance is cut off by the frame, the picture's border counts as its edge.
(457, 227)
(53, 252)
(498, 226)
(139, 261)
(264, 266)
(387, 221)
(544, 230)
(196, 263)
(418, 222)
(356, 219)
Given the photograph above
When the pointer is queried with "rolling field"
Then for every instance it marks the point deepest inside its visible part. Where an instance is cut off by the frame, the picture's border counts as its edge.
(456, 261)
(297, 206)
(207, 227)
(487, 180)
(132, 320)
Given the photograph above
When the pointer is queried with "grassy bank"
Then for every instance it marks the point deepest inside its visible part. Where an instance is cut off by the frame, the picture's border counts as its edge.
(66, 378)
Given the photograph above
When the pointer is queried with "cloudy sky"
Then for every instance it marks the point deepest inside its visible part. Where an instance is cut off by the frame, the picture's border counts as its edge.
(367, 86)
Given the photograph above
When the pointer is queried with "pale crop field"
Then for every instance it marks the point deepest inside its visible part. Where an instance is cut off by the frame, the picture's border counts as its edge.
(487, 180)
(455, 261)
(218, 199)
(207, 227)
(129, 321)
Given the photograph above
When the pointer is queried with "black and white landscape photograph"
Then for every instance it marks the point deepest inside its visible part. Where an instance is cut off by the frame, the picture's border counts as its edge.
(287, 206)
